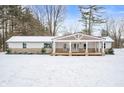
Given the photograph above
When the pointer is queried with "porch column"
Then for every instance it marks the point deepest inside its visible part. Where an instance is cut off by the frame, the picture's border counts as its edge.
(103, 50)
(86, 52)
(70, 53)
(54, 47)
(99, 48)
(95, 46)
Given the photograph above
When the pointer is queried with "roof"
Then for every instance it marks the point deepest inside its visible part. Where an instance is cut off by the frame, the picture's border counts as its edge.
(77, 36)
(30, 39)
(108, 39)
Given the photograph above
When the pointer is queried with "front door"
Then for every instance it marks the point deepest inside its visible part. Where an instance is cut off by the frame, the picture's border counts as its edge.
(75, 47)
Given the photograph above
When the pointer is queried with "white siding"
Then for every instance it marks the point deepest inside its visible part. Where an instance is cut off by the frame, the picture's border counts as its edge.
(15, 45)
(35, 45)
(108, 45)
(81, 45)
(91, 45)
(29, 45)
(58, 45)
(61, 45)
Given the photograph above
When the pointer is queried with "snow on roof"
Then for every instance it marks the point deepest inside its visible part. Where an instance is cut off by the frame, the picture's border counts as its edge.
(30, 39)
(108, 39)
(41, 39)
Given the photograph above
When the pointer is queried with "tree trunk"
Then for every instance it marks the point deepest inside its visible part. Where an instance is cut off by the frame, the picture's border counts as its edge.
(89, 30)
(12, 25)
(6, 28)
(3, 33)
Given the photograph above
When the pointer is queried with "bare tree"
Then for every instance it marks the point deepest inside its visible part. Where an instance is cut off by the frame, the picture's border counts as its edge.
(54, 17)
(120, 31)
(38, 12)
(106, 28)
(116, 27)
(51, 16)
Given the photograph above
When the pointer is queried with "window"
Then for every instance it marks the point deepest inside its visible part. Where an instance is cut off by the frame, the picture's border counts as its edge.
(84, 46)
(74, 46)
(24, 45)
(104, 45)
(47, 45)
(65, 46)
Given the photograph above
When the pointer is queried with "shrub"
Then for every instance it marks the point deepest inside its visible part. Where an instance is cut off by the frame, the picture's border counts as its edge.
(43, 50)
(110, 51)
(8, 51)
(25, 52)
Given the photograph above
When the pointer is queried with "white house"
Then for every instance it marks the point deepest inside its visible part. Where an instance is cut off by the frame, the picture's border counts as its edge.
(74, 44)
(29, 44)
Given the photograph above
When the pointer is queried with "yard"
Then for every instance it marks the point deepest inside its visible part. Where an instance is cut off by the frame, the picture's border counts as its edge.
(44, 70)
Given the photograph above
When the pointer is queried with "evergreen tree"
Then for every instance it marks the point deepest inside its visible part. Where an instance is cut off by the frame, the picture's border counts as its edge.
(90, 16)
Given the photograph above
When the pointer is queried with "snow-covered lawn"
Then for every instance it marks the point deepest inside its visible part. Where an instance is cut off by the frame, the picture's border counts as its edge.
(41, 70)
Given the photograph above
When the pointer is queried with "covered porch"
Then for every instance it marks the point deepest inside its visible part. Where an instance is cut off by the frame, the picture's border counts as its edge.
(78, 48)
(78, 44)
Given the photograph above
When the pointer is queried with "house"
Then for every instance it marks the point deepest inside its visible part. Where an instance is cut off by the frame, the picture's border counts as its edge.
(29, 44)
(74, 44)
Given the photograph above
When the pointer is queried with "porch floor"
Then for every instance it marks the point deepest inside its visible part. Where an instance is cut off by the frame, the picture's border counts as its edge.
(77, 54)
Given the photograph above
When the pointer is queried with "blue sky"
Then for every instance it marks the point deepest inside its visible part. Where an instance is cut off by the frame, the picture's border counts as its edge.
(73, 9)
(113, 10)
(73, 15)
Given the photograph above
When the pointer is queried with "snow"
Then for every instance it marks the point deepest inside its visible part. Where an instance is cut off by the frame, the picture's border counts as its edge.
(108, 39)
(30, 39)
(45, 70)
(41, 39)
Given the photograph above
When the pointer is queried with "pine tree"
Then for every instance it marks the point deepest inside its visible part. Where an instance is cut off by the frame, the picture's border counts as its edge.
(90, 16)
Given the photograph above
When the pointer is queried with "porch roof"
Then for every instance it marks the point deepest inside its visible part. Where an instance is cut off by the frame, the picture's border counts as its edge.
(78, 37)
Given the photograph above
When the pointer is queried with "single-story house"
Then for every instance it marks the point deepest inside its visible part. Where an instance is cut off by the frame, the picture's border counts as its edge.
(29, 44)
(74, 44)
